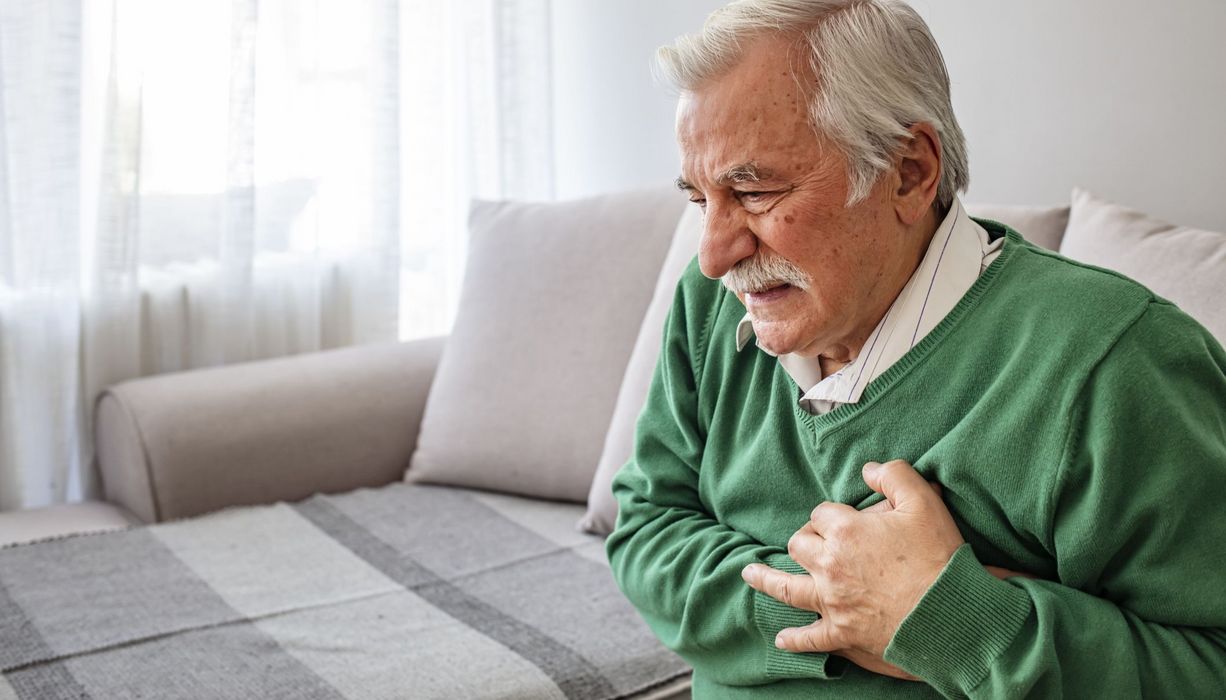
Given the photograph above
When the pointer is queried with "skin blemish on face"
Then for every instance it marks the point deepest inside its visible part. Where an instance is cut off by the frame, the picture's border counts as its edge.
(789, 219)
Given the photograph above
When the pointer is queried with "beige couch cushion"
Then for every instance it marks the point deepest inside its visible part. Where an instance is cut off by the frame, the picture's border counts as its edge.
(22, 526)
(552, 301)
(1043, 226)
(619, 442)
(1182, 264)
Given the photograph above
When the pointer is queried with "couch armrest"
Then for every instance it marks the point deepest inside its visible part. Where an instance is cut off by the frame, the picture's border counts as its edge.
(181, 444)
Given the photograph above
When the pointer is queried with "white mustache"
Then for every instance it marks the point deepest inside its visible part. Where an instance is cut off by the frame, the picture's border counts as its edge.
(758, 274)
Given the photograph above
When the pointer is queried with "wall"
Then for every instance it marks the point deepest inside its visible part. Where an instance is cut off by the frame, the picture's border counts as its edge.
(613, 125)
(1125, 97)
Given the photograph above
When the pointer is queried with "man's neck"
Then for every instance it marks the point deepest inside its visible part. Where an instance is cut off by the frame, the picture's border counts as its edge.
(842, 354)
(829, 366)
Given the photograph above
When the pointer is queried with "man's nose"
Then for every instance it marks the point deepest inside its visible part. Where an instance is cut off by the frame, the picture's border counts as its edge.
(726, 240)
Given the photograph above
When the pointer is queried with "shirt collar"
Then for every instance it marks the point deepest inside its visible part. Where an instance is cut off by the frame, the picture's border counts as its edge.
(959, 251)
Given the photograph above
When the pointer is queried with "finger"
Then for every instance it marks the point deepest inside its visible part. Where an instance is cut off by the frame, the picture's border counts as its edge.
(817, 637)
(793, 590)
(805, 547)
(884, 505)
(828, 517)
(897, 481)
(881, 506)
(1002, 573)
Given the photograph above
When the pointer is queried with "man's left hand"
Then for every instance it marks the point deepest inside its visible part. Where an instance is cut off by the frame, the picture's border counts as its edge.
(867, 570)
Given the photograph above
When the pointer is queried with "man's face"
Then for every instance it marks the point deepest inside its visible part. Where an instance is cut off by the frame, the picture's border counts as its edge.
(752, 123)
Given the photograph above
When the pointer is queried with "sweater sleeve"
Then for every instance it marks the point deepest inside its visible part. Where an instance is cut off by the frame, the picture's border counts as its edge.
(676, 563)
(1137, 528)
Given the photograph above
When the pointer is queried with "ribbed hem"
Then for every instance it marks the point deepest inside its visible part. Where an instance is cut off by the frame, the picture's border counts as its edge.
(963, 622)
(771, 616)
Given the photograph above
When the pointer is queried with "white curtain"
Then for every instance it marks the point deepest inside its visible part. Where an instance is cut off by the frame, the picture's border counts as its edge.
(478, 110)
(188, 183)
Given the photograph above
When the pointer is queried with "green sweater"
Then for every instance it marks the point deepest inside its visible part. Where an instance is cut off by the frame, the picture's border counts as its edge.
(1077, 425)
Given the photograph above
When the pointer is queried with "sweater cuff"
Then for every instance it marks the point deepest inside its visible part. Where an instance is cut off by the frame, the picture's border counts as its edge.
(960, 626)
(772, 616)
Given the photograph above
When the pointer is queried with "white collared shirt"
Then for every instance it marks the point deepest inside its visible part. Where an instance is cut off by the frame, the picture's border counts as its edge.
(959, 252)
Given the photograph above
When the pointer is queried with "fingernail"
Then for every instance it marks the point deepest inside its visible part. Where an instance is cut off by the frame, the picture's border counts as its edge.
(779, 641)
(748, 573)
(871, 466)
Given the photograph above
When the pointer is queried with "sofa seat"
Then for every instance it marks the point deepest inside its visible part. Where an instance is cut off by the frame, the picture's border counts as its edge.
(58, 521)
(401, 591)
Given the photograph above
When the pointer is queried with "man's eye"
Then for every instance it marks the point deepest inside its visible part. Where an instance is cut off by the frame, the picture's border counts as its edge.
(753, 196)
(700, 201)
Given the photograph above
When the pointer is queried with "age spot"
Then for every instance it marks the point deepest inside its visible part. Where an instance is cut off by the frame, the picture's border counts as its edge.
(789, 219)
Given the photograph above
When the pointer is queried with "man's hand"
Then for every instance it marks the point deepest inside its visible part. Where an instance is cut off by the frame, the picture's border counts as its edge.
(866, 569)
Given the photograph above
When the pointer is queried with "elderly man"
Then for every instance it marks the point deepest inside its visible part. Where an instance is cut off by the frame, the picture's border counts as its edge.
(932, 406)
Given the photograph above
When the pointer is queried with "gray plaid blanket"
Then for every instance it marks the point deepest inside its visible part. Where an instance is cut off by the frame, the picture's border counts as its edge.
(401, 592)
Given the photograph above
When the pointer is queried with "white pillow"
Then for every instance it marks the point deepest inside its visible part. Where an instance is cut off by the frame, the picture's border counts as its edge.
(1182, 264)
(1043, 226)
(553, 297)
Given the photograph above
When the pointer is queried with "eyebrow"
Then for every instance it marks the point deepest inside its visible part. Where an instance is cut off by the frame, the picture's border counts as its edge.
(744, 172)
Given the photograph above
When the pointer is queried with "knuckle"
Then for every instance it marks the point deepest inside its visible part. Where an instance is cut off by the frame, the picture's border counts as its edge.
(892, 467)
(839, 634)
(897, 466)
(829, 632)
(807, 640)
(818, 638)
(838, 529)
(794, 546)
(820, 510)
(785, 589)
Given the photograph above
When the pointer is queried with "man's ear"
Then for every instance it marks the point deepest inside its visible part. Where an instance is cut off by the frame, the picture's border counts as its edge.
(918, 173)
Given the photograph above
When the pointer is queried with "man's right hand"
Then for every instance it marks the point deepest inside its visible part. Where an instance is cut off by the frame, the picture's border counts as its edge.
(880, 666)
(999, 572)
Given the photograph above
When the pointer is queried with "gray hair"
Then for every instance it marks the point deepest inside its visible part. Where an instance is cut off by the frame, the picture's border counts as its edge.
(879, 71)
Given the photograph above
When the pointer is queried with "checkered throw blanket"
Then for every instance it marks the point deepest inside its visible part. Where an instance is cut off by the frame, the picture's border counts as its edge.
(401, 592)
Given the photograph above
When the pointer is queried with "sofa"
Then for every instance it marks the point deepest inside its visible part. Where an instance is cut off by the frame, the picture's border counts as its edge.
(424, 518)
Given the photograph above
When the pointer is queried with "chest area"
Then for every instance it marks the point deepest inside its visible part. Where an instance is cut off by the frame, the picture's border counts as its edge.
(768, 464)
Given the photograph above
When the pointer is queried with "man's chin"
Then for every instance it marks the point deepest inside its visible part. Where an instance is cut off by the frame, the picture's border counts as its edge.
(784, 338)
(774, 343)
